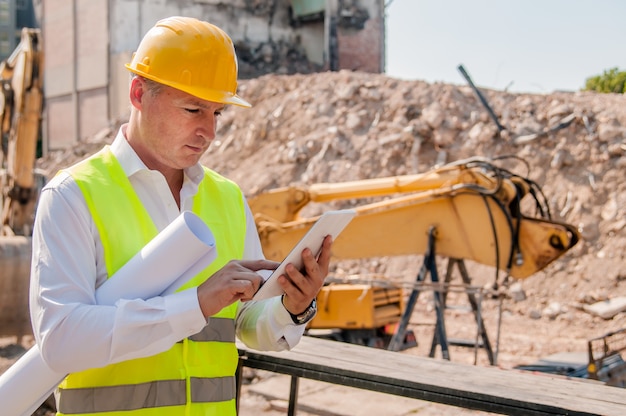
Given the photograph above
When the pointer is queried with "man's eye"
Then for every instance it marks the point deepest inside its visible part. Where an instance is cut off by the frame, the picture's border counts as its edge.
(217, 113)
(192, 110)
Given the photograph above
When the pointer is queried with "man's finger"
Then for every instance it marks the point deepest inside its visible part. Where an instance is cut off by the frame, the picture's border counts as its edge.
(324, 258)
(256, 265)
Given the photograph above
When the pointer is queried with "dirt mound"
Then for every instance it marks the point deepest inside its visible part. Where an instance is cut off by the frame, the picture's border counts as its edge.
(334, 127)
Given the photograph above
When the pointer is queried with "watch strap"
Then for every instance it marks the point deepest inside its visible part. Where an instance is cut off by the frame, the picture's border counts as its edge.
(304, 317)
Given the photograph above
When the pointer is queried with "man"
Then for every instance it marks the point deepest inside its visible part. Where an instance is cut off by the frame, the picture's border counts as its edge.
(174, 354)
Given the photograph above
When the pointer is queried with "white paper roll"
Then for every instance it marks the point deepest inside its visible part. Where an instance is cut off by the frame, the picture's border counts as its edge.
(27, 384)
(187, 243)
(179, 252)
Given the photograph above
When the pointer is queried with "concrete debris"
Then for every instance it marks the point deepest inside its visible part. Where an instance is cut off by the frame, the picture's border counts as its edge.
(607, 309)
(553, 310)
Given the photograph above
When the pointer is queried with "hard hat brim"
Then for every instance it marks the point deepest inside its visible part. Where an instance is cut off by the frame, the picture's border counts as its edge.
(204, 94)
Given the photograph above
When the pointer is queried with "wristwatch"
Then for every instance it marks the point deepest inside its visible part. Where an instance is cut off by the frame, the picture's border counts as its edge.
(305, 316)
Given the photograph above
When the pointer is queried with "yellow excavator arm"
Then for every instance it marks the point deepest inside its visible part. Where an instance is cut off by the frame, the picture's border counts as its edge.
(21, 103)
(473, 208)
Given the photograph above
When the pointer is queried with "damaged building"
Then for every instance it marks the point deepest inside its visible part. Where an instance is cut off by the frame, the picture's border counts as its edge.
(87, 43)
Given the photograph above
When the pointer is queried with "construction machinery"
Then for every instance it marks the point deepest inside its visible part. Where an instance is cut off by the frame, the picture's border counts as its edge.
(605, 358)
(21, 103)
(603, 361)
(21, 76)
(467, 210)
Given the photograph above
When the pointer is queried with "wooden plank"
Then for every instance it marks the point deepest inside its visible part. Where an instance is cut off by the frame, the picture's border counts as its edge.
(481, 388)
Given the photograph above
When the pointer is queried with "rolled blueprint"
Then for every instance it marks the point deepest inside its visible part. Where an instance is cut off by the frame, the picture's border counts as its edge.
(151, 272)
(184, 247)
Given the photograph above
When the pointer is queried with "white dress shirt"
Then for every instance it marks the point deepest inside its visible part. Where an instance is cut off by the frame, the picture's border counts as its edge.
(73, 332)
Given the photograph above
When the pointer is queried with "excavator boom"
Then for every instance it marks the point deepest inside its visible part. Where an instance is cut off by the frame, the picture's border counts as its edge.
(473, 207)
(469, 209)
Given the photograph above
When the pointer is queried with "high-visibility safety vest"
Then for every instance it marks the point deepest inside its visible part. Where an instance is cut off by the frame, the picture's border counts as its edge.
(197, 375)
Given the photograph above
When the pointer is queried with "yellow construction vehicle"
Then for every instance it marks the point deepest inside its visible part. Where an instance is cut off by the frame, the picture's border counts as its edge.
(21, 104)
(467, 210)
(21, 76)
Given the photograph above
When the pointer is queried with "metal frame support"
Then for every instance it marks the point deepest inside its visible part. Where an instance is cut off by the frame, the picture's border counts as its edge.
(429, 265)
(439, 297)
(476, 308)
(293, 395)
(293, 389)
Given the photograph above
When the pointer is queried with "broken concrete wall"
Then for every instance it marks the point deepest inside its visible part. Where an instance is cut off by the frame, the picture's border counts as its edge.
(87, 44)
(360, 35)
(76, 71)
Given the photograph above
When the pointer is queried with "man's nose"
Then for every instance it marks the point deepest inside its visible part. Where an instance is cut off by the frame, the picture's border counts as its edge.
(209, 127)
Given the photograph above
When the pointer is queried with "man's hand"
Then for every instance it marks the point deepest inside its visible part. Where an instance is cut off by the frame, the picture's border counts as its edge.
(237, 280)
(302, 287)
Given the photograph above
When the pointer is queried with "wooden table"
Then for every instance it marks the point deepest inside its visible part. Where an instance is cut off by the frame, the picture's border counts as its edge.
(491, 389)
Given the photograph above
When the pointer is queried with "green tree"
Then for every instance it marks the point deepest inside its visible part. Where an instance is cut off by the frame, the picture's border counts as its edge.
(611, 81)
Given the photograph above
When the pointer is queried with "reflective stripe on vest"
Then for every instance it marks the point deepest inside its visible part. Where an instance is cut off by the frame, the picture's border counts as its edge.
(196, 375)
(147, 395)
(218, 329)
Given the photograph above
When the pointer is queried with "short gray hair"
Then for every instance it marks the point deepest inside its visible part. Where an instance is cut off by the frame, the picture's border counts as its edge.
(153, 87)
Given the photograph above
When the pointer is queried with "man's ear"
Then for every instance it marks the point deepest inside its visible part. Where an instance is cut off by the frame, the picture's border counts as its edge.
(137, 89)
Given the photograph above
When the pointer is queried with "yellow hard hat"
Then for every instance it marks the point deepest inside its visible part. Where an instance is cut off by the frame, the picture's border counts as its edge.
(192, 56)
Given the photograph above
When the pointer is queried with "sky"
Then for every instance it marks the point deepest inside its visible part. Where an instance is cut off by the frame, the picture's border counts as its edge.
(524, 46)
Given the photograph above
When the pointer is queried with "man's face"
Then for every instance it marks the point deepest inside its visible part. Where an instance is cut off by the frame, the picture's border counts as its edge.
(175, 128)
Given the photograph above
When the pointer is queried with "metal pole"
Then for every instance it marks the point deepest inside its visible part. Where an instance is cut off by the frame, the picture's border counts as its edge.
(481, 98)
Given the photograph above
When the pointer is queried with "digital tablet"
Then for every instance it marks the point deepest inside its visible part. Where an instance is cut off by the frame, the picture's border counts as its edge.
(330, 223)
